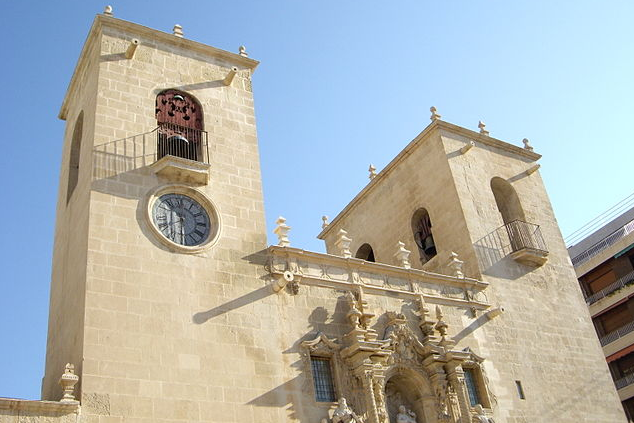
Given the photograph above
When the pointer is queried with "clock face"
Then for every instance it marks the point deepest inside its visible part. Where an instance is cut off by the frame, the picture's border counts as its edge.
(181, 219)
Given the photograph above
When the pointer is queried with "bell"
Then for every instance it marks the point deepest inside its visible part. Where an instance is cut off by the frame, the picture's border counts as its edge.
(429, 246)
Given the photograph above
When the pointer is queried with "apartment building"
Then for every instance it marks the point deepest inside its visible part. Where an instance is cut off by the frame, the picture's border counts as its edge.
(604, 263)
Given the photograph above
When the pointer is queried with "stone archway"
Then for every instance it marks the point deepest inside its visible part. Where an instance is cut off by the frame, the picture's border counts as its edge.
(410, 388)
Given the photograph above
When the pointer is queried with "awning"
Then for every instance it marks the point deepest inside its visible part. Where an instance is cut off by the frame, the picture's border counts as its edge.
(619, 354)
(620, 253)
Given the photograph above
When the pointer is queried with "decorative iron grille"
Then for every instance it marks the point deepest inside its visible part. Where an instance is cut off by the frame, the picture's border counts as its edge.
(322, 377)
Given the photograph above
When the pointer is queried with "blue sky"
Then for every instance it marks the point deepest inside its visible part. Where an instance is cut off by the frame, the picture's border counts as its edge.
(341, 85)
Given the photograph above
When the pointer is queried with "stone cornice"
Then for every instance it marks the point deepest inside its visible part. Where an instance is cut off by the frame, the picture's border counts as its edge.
(351, 273)
(42, 407)
(143, 31)
(439, 126)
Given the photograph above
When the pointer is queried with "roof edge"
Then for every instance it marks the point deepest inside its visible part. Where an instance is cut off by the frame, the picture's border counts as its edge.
(102, 20)
(436, 124)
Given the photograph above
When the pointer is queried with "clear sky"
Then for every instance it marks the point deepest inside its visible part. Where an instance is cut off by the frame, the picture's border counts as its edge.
(341, 84)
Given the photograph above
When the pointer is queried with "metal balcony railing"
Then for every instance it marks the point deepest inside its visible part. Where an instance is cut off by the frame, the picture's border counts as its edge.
(525, 235)
(606, 242)
(141, 150)
(624, 381)
(620, 283)
(507, 239)
(619, 333)
(180, 141)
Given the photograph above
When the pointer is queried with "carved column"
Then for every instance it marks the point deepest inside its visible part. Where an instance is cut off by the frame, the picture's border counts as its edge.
(455, 374)
(439, 383)
(370, 402)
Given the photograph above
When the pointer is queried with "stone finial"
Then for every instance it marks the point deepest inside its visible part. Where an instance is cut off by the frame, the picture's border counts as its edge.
(67, 382)
(434, 115)
(324, 222)
(455, 265)
(343, 244)
(482, 127)
(242, 51)
(354, 314)
(372, 171)
(527, 144)
(178, 30)
(426, 324)
(108, 11)
(441, 327)
(282, 232)
(402, 255)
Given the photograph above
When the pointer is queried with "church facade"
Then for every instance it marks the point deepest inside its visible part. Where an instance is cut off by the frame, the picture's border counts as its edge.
(446, 293)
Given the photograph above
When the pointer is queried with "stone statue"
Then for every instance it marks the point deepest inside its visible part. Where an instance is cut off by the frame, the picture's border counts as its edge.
(405, 416)
(479, 416)
(344, 414)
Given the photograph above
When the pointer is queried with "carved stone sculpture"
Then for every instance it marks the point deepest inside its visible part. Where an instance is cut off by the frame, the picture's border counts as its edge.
(480, 417)
(405, 416)
(344, 414)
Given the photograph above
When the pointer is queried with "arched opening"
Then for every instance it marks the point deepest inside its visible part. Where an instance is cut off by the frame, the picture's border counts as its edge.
(365, 252)
(507, 201)
(75, 153)
(409, 394)
(180, 123)
(421, 227)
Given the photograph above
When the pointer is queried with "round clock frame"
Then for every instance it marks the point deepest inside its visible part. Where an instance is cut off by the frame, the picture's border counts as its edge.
(200, 204)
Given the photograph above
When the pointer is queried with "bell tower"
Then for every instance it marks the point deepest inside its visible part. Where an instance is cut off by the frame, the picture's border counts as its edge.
(160, 199)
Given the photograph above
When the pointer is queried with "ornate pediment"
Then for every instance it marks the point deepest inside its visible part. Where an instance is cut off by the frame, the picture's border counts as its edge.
(321, 345)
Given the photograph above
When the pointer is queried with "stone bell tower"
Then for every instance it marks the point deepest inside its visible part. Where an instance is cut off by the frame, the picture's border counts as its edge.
(160, 199)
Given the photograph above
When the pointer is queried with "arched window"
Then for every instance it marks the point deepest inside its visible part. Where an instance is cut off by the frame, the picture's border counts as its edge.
(180, 123)
(75, 150)
(365, 252)
(421, 227)
(507, 201)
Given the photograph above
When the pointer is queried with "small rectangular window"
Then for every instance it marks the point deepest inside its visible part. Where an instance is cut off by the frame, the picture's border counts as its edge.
(322, 378)
(472, 387)
(520, 390)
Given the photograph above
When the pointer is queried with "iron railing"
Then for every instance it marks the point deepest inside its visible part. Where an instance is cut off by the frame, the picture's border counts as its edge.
(606, 242)
(619, 333)
(180, 141)
(620, 283)
(141, 150)
(525, 235)
(508, 239)
(624, 381)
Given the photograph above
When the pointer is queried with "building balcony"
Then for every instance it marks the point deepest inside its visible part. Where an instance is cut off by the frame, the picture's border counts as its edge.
(612, 294)
(527, 243)
(617, 340)
(175, 152)
(599, 247)
(520, 240)
(625, 387)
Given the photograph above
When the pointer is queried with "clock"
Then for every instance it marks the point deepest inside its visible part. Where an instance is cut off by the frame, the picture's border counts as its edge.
(182, 218)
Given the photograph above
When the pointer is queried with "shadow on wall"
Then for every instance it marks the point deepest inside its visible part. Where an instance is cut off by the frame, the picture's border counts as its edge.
(492, 251)
(258, 294)
(124, 155)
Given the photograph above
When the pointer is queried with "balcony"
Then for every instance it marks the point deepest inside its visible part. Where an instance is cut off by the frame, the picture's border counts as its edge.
(618, 339)
(527, 243)
(611, 289)
(603, 244)
(520, 240)
(177, 153)
(625, 387)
